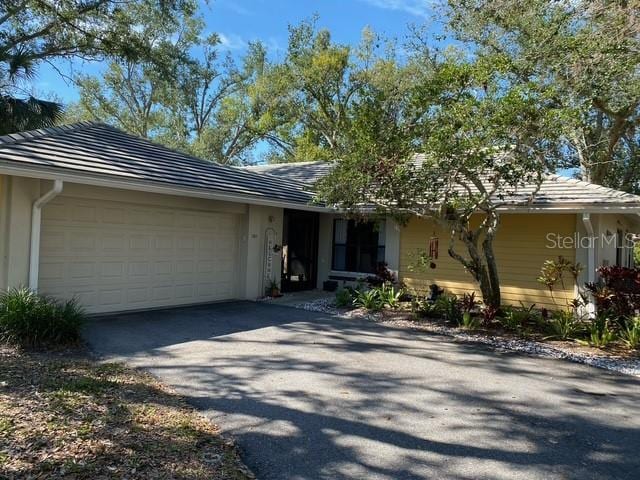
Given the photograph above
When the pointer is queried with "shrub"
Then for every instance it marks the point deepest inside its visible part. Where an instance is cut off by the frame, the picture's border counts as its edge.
(469, 302)
(469, 321)
(618, 291)
(564, 325)
(448, 307)
(630, 333)
(489, 314)
(30, 319)
(369, 299)
(517, 318)
(421, 308)
(599, 333)
(382, 276)
(391, 295)
(344, 298)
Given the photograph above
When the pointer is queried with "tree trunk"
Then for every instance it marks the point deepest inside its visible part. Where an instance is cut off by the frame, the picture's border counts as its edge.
(482, 262)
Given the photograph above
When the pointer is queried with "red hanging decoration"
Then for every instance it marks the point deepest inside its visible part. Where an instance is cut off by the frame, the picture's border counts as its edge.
(433, 248)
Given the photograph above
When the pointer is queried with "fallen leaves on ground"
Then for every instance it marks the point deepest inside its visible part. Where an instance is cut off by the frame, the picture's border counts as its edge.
(63, 415)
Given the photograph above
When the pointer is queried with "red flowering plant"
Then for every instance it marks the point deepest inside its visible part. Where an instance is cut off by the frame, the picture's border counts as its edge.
(618, 290)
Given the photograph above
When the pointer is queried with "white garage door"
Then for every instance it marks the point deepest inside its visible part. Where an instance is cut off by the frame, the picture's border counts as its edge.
(117, 256)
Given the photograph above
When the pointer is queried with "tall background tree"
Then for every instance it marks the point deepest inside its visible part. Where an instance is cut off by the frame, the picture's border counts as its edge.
(590, 51)
(37, 31)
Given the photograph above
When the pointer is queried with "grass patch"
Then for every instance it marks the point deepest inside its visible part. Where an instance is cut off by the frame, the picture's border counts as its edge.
(63, 417)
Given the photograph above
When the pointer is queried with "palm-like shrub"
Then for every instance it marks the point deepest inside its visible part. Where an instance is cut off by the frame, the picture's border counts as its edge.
(30, 319)
(630, 333)
(369, 299)
(564, 325)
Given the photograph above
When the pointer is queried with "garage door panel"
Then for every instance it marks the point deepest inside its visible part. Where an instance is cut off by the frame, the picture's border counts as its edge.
(114, 256)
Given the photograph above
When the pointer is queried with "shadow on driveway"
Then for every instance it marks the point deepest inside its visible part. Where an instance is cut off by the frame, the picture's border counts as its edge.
(309, 396)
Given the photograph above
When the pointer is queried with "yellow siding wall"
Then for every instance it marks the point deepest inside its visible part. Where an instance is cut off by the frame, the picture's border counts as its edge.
(521, 247)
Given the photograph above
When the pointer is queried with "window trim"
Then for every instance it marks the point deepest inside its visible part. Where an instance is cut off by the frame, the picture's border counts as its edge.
(380, 247)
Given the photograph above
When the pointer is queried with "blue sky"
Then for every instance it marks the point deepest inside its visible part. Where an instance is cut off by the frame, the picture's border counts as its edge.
(240, 21)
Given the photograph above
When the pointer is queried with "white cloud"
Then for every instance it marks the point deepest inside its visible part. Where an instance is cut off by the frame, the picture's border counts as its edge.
(232, 41)
(419, 8)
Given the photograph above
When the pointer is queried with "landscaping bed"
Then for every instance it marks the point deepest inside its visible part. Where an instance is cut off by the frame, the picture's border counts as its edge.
(63, 415)
(614, 357)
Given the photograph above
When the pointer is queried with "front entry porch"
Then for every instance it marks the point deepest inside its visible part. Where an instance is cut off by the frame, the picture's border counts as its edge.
(299, 251)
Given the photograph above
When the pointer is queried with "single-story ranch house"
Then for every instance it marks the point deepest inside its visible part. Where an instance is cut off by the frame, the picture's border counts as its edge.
(122, 223)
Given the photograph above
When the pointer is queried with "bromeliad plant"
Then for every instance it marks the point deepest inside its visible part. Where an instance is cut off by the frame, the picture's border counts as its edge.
(369, 299)
(391, 295)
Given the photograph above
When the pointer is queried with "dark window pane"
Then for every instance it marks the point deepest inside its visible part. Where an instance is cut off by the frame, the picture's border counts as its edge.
(360, 251)
(339, 257)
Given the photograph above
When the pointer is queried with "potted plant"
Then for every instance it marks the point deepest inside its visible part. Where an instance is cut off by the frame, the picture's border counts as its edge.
(273, 290)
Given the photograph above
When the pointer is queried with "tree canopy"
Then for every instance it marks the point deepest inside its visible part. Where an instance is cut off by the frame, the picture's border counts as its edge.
(37, 31)
(590, 52)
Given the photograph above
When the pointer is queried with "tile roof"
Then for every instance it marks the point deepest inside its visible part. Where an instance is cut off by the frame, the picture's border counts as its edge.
(555, 190)
(102, 151)
(307, 172)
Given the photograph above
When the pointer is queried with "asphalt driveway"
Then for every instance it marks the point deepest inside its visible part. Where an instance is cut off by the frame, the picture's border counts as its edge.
(308, 396)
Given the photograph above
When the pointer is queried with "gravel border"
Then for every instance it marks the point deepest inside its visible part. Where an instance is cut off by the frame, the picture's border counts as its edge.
(531, 347)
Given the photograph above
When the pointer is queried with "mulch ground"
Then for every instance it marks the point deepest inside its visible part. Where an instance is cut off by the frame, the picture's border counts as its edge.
(63, 415)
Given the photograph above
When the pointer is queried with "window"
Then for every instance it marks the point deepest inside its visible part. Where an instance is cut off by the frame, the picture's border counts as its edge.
(357, 246)
(624, 249)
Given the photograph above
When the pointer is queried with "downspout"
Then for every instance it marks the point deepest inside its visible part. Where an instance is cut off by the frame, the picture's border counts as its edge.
(591, 260)
(36, 216)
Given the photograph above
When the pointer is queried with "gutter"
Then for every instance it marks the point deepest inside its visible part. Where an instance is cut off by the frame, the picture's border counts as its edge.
(591, 259)
(36, 217)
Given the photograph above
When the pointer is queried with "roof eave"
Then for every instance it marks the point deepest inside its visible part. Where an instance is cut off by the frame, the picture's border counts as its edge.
(152, 187)
(609, 207)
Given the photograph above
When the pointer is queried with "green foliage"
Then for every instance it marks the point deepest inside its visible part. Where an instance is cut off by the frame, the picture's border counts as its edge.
(565, 325)
(599, 332)
(33, 32)
(459, 114)
(630, 333)
(30, 319)
(391, 295)
(423, 308)
(589, 51)
(448, 307)
(369, 299)
(376, 298)
(518, 318)
(553, 272)
(344, 298)
(469, 322)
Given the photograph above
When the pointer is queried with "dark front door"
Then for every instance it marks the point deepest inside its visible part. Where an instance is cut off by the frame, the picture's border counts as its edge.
(299, 250)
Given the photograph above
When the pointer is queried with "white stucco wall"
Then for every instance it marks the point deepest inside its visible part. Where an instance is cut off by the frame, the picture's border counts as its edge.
(17, 195)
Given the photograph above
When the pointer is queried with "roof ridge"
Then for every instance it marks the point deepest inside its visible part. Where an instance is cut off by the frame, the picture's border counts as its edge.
(306, 162)
(602, 188)
(18, 137)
